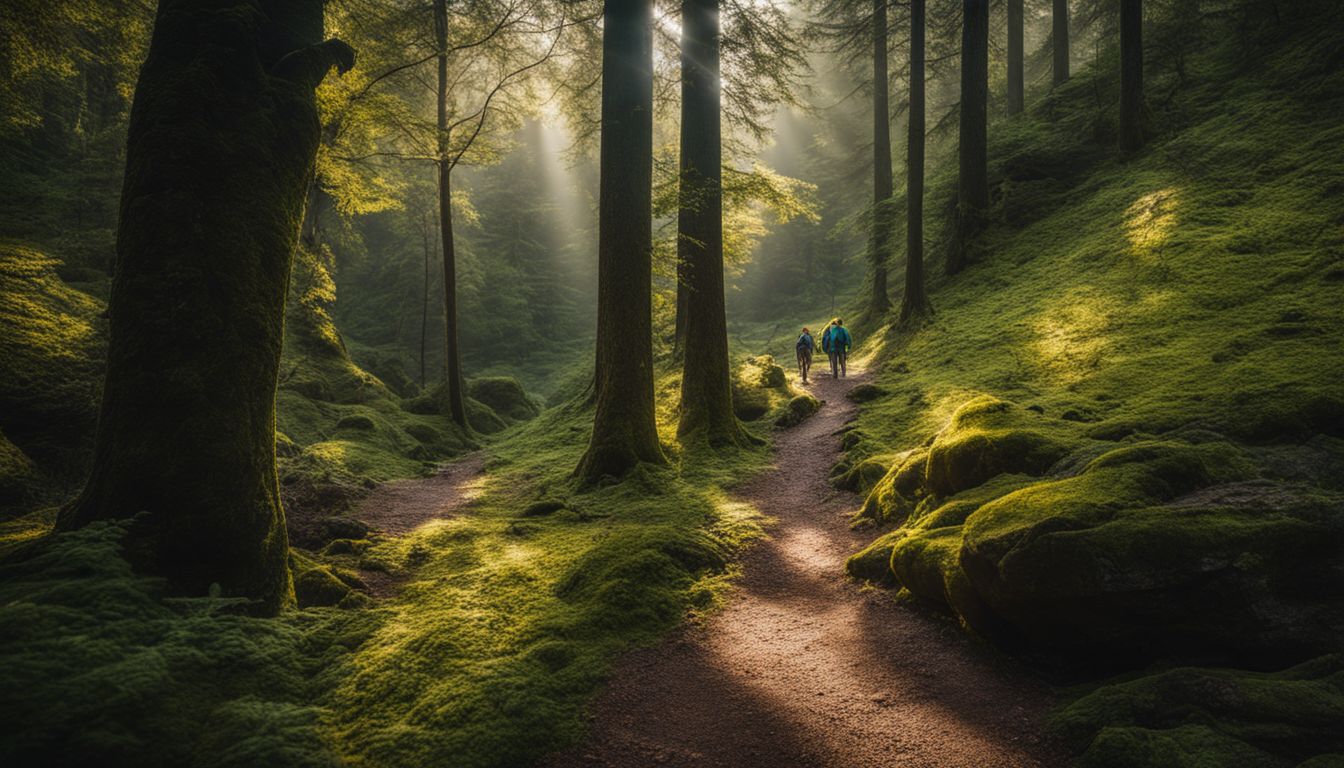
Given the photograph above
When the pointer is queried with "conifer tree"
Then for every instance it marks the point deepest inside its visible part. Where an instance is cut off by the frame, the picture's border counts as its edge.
(973, 173)
(1131, 75)
(706, 393)
(624, 430)
(915, 302)
(1059, 41)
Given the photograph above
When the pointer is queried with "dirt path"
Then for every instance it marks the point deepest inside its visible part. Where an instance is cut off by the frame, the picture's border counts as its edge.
(804, 667)
(398, 507)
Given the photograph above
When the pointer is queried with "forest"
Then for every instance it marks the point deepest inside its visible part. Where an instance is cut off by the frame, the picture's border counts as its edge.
(500, 383)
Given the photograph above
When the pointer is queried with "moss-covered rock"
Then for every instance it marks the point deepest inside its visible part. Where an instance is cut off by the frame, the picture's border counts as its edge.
(863, 475)
(18, 478)
(894, 496)
(797, 410)
(988, 437)
(1121, 559)
(749, 403)
(1195, 717)
(483, 418)
(505, 396)
(863, 393)
(356, 421)
(763, 371)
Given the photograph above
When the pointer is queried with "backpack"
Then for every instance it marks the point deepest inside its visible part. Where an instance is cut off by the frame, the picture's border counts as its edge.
(805, 342)
(841, 338)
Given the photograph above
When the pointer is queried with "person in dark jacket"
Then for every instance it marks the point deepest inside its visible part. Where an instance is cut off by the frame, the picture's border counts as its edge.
(803, 349)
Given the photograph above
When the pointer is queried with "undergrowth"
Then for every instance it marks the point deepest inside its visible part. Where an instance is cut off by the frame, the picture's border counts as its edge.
(1119, 437)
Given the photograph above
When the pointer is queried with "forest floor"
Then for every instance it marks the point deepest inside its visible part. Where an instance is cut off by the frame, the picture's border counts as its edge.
(804, 667)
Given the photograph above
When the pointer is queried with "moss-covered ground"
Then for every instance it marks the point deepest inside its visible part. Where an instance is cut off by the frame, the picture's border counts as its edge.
(501, 621)
(1121, 437)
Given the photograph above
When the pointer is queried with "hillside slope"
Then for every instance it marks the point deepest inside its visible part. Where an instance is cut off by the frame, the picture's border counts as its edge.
(1119, 440)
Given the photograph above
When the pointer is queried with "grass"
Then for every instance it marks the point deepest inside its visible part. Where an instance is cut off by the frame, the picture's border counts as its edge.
(1121, 436)
(507, 621)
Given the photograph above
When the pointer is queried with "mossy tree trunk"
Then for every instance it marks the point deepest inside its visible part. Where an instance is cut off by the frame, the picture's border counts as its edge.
(455, 400)
(915, 302)
(880, 245)
(706, 392)
(624, 430)
(220, 152)
(1059, 42)
(973, 172)
(1131, 75)
(1016, 96)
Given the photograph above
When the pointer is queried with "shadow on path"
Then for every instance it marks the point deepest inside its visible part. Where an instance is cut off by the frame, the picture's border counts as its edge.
(804, 667)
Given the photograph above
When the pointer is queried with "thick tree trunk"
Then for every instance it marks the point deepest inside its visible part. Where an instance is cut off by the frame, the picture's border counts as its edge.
(1016, 98)
(915, 303)
(973, 175)
(679, 324)
(880, 246)
(1131, 75)
(624, 430)
(1059, 35)
(220, 151)
(452, 353)
(706, 392)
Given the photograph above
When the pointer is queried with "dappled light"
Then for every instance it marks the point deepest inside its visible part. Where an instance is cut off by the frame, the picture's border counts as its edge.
(750, 384)
(1149, 222)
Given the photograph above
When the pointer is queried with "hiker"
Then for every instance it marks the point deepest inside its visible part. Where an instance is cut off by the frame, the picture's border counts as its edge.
(803, 348)
(836, 343)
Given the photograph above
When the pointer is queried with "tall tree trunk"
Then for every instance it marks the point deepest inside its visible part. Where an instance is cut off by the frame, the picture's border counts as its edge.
(452, 354)
(706, 393)
(624, 430)
(205, 241)
(679, 324)
(880, 246)
(1016, 98)
(424, 298)
(1059, 36)
(915, 302)
(973, 174)
(1131, 75)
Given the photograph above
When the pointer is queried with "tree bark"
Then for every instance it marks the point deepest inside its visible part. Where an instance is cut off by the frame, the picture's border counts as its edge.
(220, 153)
(915, 302)
(973, 174)
(1131, 75)
(454, 400)
(1016, 97)
(706, 392)
(880, 246)
(1059, 34)
(624, 430)
(424, 299)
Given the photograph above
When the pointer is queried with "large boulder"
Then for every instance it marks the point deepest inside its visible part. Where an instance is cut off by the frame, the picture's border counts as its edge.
(1139, 556)
(989, 437)
(505, 396)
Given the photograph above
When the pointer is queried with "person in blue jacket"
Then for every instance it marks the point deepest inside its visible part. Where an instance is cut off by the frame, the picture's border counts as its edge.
(836, 342)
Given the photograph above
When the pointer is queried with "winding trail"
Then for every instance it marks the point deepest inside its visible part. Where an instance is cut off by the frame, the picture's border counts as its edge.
(804, 667)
